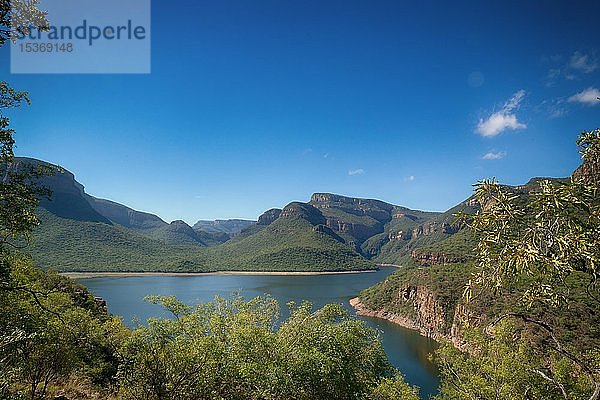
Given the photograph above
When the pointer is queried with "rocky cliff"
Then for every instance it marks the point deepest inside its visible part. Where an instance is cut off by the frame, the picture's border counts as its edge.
(376, 209)
(427, 258)
(428, 300)
(424, 313)
(269, 216)
(68, 196)
(125, 216)
(230, 227)
(354, 219)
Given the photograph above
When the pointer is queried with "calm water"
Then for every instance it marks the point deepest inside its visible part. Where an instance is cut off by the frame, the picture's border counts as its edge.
(406, 349)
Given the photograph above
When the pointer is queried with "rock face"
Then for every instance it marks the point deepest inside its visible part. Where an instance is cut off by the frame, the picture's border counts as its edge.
(231, 227)
(269, 216)
(431, 228)
(354, 218)
(359, 232)
(305, 211)
(68, 198)
(427, 316)
(429, 258)
(376, 209)
(125, 216)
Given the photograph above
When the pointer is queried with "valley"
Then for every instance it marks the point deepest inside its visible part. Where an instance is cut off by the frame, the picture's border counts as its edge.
(328, 233)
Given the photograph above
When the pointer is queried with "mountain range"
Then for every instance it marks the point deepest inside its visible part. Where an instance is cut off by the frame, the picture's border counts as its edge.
(330, 232)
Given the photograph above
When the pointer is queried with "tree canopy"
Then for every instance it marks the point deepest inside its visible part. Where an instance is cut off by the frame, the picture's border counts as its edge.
(540, 243)
(18, 17)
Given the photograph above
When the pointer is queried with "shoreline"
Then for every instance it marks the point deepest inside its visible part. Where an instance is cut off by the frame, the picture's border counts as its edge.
(87, 275)
(389, 265)
(400, 320)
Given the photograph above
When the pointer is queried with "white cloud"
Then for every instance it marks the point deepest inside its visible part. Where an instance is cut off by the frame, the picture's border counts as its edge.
(503, 119)
(583, 62)
(497, 123)
(514, 101)
(409, 178)
(358, 171)
(494, 155)
(588, 96)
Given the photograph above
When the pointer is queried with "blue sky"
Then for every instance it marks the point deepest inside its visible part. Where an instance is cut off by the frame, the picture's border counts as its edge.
(253, 104)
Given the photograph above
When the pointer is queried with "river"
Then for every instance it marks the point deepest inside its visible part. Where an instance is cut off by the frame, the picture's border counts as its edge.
(406, 349)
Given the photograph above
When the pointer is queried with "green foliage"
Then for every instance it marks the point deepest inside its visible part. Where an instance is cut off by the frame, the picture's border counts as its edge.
(50, 329)
(547, 238)
(55, 339)
(394, 389)
(553, 235)
(505, 367)
(236, 349)
(19, 195)
(18, 17)
(590, 150)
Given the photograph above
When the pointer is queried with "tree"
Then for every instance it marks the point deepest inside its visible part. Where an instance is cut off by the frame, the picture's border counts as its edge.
(543, 241)
(546, 237)
(41, 350)
(505, 367)
(237, 349)
(18, 17)
(19, 192)
(19, 195)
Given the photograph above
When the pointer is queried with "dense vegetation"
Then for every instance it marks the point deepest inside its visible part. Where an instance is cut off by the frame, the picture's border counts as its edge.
(56, 340)
(528, 298)
(289, 244)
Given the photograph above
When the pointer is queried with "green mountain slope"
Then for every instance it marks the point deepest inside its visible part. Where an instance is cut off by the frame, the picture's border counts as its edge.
(296, 241)
(68, 196)
(291, 243)
(69, 201)
(74, 245)
(330, 232)
(82, 233)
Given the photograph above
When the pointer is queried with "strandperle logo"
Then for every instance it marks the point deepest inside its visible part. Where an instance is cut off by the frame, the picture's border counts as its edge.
(88, 32)
(87, 36)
